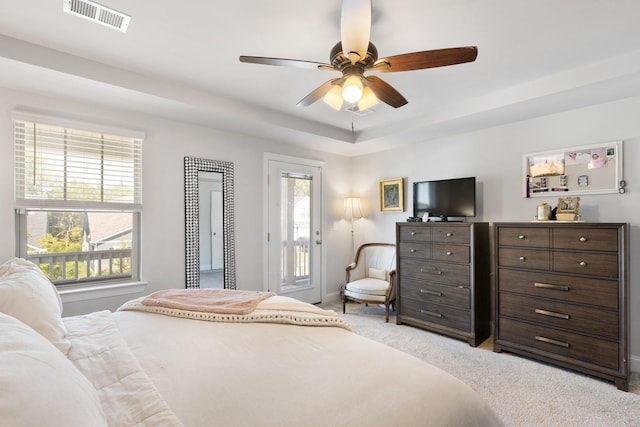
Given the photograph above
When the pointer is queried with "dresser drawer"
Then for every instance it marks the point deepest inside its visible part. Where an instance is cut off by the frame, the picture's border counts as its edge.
(524, 236)
(565, 344)
(452, 253)
(580, 290)
(436, 271)
(436, 313)
(415, 249)
(524, 258)
(448, 234)
(586, 239)
(438, 293)
(592, 264)
(589, 320)
(415, 234)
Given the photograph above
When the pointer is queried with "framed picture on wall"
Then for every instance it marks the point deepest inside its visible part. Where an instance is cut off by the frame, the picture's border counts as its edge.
(391, 195)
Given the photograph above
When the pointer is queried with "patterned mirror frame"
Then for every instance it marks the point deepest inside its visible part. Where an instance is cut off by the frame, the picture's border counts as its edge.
(193, 165)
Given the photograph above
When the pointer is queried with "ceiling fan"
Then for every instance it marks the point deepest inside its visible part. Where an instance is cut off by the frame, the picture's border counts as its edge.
(354, 55)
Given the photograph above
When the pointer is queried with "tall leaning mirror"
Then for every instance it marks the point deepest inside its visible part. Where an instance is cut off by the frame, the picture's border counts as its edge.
(209, 177)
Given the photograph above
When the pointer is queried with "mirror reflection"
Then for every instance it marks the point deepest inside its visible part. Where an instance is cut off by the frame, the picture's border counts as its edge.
(210, 219)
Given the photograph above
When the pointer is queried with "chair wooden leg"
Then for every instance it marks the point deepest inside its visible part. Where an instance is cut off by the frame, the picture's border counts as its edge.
(386, 312)
(344, 303)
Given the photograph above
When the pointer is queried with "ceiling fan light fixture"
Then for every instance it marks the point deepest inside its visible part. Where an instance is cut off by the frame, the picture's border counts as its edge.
(333, 98)
(352, 89)
(368, 99)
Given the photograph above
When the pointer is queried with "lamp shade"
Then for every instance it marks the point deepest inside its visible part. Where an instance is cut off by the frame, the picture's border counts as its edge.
(334, 98)
(368, 99)
(352, 208)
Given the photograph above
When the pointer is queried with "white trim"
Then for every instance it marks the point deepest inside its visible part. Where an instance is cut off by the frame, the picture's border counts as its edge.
(266, 157)
(76, 205)
(101, 291)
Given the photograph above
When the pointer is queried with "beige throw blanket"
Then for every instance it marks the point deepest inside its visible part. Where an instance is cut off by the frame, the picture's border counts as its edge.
(223, 301)
(273, 309)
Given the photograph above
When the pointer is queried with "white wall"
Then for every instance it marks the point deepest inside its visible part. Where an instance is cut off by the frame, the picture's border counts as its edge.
(163, 235)
(494, 157)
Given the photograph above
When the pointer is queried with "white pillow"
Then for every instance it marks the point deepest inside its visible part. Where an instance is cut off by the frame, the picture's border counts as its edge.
(27, 295)
(40, 386)
(376, 273)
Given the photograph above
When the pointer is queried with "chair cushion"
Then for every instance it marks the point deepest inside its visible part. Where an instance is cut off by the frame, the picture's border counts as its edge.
(376, 273)
(368, 286)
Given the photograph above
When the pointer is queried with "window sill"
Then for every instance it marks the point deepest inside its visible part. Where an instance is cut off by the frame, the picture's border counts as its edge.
(95, 292)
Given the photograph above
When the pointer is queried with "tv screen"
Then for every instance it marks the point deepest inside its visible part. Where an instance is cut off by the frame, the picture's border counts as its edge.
(445, 198)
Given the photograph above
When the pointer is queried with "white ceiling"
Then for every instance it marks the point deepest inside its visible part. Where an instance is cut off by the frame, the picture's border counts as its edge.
(179, 59)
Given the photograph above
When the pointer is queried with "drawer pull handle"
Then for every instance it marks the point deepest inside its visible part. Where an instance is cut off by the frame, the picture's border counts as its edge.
(428, 292)
(583, 239)
(521, 237)
(430, 270)
(582, 264)
(449, 253)
(552, 314)
(413, 233)
(522, 258)
(553, 287)
(550, 341)
(430, 313)
(413, 250)
(449, 234)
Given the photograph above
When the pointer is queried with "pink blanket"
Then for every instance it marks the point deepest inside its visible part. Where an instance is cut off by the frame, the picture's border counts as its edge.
(224, 301)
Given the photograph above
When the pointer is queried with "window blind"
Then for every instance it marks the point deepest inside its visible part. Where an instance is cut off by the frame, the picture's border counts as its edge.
(58, 167)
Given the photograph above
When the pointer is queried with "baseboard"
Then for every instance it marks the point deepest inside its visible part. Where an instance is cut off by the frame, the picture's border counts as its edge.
(331, 297)
(634, 364)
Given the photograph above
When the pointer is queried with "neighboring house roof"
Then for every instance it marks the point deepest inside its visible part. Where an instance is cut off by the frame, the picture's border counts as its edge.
(102, 226)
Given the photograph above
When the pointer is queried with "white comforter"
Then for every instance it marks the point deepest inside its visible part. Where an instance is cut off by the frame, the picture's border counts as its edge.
(127, 395)
(204, 373)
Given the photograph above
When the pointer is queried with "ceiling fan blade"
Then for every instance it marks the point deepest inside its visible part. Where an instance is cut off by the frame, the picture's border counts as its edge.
(355, 28)
(426, 59)
(297, 63)
(318, 93)
(384, 92)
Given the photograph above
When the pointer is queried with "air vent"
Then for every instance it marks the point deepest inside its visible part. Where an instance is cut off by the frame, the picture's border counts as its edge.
(98, 13)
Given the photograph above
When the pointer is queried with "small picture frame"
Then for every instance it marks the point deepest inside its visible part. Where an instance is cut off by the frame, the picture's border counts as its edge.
(391, 195)
(568, 205)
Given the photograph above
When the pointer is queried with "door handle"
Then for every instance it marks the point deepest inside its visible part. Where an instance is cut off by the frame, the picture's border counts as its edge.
(318, 242)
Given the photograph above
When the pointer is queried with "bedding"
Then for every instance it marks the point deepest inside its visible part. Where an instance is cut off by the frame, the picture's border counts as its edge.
(27, 295)
(285, 363)
(269, 374)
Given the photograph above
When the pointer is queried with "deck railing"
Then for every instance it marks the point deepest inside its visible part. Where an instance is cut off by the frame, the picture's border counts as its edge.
(76, 267)
(297, 252)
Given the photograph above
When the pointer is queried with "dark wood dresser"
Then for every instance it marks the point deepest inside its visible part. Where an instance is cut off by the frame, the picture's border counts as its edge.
(443, 278)
(562, 295)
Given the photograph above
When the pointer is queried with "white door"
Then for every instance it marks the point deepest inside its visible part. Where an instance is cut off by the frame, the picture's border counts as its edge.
(294, 235)
(216, 230)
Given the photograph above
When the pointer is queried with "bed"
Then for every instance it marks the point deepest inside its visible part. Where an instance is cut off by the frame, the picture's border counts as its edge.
(282, 363)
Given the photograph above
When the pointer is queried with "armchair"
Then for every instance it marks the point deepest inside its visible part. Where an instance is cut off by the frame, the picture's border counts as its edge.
(371, 277)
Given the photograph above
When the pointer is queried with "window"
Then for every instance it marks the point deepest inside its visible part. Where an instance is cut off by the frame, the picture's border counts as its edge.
(78, 199)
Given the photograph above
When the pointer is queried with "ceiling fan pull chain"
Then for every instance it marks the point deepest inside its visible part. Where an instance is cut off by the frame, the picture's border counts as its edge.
(353, 129)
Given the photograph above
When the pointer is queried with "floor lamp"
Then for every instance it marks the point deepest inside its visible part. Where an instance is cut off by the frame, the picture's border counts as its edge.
(352, 212)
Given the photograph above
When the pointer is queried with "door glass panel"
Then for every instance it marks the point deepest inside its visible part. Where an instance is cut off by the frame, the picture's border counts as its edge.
(295, 230)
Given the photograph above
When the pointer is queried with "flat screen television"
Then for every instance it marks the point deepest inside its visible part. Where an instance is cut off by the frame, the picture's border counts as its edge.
(447, 198)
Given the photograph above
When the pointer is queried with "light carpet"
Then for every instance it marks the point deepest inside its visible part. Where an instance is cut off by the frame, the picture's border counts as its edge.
(523, 392)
